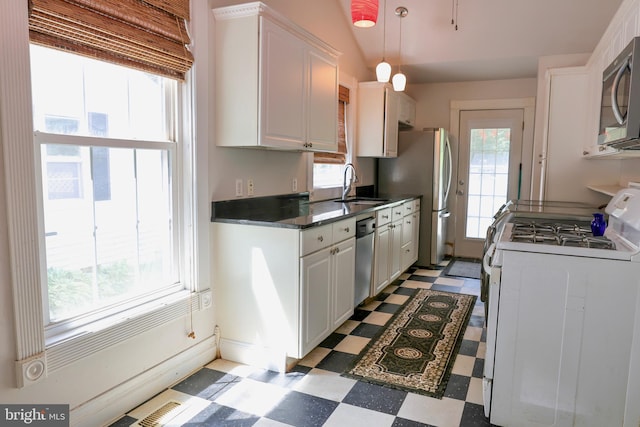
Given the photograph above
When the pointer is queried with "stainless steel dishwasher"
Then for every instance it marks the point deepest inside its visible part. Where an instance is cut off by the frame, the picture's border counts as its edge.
(364, 258)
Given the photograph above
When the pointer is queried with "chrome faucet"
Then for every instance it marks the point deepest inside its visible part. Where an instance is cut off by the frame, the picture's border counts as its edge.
(346, 188)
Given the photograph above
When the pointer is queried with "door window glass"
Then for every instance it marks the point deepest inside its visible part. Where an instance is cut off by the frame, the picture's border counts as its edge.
(488, 177)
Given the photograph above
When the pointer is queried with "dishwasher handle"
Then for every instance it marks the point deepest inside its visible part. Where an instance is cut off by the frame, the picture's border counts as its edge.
(365, 226)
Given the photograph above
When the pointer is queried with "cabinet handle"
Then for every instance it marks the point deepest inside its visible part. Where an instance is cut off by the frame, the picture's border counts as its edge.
(337, 250)
(346, 229)
(408, 222)
(320, 238)
(385, 216)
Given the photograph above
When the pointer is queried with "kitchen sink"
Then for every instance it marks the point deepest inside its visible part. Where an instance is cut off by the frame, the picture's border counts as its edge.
(363, 200)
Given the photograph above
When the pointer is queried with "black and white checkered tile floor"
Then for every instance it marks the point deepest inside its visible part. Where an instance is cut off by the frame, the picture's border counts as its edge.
(314, 394)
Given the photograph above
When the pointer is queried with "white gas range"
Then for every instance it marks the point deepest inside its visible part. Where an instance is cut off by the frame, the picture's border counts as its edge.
(563, 322)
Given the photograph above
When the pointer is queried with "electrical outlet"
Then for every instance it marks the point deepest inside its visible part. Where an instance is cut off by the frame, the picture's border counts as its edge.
(206, 299)
(238, 187)
(294, 184)
(250, 187)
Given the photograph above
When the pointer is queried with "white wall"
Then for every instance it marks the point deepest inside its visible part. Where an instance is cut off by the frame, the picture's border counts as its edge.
(434, 99)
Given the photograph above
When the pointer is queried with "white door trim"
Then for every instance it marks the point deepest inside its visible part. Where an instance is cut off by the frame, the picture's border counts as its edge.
(528, 105)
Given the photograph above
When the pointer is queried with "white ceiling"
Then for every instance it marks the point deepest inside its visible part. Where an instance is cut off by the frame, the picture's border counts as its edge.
(496, 39)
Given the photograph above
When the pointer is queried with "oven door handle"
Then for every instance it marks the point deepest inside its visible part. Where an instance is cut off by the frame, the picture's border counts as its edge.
(487, 255)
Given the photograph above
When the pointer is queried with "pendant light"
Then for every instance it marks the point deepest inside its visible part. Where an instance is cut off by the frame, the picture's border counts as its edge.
(399, 79)
(364, 13)
(383, 69)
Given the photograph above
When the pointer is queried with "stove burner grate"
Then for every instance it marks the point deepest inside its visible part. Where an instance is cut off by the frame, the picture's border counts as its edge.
(560, 234)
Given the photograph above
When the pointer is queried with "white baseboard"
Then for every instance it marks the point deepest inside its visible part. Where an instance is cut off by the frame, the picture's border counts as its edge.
(253, 355)
(111, 405)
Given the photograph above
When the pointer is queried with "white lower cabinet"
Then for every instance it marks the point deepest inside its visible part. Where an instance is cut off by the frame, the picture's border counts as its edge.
(281, 291)
(315, 298)
(396, 240)
(397, 222)
(382, 251)
(395, 261)
(326, 292)
(410, 233)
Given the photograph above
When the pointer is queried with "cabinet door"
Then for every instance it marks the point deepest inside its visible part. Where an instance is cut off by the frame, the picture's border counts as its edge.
(416, 234)
(344, 261)
(322, 116)
(391, 123)
(315, 309)
(408, 248)
(382, 253)
(406, 109)
(282, 84)
(396, 250)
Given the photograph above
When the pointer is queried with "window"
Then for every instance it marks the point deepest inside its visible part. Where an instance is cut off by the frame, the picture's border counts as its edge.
(488, 177)
(328, 168)
(110, 199)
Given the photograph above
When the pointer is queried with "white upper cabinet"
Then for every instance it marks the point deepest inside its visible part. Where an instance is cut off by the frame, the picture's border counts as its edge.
(406, 110)
(276, 85)
(380, 110)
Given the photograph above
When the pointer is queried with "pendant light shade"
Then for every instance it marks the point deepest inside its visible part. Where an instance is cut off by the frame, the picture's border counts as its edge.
(364, 13)
(383, 71)
(399, 81)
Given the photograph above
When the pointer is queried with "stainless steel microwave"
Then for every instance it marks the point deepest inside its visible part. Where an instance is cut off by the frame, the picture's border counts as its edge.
(620, 105)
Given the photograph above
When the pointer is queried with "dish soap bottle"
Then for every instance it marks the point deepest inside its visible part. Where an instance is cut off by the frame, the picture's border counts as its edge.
(598, 224)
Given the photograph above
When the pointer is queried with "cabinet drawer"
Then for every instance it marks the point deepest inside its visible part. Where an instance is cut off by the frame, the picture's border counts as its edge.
(315, 238)
(383, 216)
(397, 212)
(408, 207)
(342, 230)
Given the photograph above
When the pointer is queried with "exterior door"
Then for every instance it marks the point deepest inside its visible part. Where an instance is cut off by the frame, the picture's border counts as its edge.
(489, 173)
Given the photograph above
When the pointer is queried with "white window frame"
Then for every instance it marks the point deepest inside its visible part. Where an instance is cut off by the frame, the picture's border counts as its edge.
(322, 193)
(26, 230)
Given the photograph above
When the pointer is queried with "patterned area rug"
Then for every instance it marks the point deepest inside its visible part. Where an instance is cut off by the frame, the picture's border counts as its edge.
(416, 350)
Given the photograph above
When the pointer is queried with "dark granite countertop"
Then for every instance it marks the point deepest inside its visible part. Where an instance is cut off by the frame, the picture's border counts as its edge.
(296, 211)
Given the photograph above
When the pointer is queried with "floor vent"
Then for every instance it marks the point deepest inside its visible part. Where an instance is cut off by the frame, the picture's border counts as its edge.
(162, 415)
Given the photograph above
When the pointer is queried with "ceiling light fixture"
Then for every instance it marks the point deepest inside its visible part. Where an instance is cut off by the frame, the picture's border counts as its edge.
(399, 79)
(383, 69)
(364, 13)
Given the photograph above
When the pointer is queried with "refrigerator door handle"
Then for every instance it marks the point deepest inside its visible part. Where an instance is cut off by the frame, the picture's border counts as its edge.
(445, 214)
(447, 145)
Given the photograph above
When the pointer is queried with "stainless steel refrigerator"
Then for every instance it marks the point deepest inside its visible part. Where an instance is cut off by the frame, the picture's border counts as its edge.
(423, 167)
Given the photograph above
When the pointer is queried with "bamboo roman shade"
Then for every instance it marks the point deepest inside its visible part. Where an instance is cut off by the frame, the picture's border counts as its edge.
(341, 156)
(148, 35)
